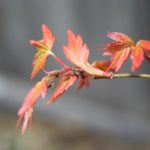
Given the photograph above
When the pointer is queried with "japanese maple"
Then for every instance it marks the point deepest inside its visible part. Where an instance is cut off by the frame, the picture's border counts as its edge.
(27, 107)
(123, 47)
(44, 49)
(77, 52)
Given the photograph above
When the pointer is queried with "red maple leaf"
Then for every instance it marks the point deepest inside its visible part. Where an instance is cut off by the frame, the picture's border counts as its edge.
(44, 49)
(118, 59)
(139, 53)
(78, 53)
(122, 47)
(27, 116)
(137, 56)
(62, 87)
(145, 44)
(27, 107)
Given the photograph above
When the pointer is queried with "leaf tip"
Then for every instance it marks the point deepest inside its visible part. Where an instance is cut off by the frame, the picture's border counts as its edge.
(44, 26)
(49, 102)
(32, 42)
(69, 31)
(71, 35)
(32, 75)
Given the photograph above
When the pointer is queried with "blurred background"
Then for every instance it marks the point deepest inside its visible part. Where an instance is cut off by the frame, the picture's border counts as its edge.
(109, 115)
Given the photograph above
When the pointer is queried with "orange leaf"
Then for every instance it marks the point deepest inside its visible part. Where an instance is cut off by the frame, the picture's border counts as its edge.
(75, 51)
(145, 44)
(102, 64)
(137, 56)
(120, 42)
(44, 47)
(27, 116)
(26, 109)
(62, 87)
(118, 59)
(119, 49)
(120, 37)
(78, 53)
(39, 89)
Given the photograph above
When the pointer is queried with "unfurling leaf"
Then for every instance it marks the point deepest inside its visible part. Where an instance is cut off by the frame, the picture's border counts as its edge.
(118, 59)
(62, 87)
(44, 48)
(75, 51)
(27, 107)
(120, 42)
(146, 47)
(78, 53)
(120, 37)
(39, 89)
(122, 47)
(119, 50)
(27, 119)
(137, 56)
(139, 52)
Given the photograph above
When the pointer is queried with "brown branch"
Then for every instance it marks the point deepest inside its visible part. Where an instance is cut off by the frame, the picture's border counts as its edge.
(52, 76)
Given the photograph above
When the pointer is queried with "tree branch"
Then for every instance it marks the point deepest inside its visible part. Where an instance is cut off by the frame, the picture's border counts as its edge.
(125, 75)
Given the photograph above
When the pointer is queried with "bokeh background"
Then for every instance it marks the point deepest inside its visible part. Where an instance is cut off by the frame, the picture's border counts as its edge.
(109, 115)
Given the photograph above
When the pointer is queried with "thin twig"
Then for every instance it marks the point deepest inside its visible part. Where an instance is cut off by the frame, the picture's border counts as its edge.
(124, 75)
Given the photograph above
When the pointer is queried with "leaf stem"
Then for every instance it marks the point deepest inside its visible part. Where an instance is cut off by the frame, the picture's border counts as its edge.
(59, 61)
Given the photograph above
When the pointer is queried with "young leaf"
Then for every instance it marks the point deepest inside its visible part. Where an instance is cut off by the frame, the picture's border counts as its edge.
(146, 48)
(78, 53)
(139, 53)
(26, 109)
(120, 37)
(39, 89)
(122, 47)
(137, 56)
(62, 87)
(75, 51)
(119, 49)
(27, 116)
(145, 44)
(118, 59)
(44, 48)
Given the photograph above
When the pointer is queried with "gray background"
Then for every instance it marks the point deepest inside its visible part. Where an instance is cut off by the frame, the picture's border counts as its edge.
(119, 106)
